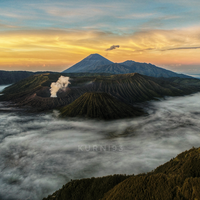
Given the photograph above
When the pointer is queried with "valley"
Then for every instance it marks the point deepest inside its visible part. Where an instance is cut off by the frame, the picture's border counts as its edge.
(64, 128)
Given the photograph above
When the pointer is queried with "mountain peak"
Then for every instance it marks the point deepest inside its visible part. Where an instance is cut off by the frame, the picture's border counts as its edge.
(95, 56)
(89, 63)
(128, 62)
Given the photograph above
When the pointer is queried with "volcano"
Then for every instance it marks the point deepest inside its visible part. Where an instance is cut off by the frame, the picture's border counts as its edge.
(96, 63)
(99, 105)
(88, 64)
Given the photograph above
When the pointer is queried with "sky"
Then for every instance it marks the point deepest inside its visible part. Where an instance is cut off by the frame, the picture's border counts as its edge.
(53, 35)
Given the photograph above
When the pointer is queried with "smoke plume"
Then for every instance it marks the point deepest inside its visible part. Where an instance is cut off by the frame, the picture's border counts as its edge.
(61, 84)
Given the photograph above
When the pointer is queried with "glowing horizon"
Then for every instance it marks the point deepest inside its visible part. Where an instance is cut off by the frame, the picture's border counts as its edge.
(52, 36)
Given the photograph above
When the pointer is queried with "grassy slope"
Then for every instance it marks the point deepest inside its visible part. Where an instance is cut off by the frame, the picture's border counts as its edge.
(178, 179)
(99, 105)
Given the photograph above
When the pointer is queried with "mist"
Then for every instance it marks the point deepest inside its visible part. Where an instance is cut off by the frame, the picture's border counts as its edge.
(39, 153)
(2, 88)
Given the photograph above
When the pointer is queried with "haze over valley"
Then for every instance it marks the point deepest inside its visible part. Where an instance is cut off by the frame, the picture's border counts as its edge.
(43, 152)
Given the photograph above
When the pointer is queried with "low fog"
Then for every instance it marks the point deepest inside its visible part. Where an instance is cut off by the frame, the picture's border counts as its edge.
(39, 153)
(2, 88)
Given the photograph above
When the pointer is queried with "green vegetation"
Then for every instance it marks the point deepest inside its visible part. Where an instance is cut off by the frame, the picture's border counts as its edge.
(99, 105)
(86, 189)
(178, 179)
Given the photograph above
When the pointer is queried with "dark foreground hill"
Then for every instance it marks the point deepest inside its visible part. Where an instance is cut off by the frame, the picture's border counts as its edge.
(96, 63)
(101, 106)
(178, 179)
(132, 88)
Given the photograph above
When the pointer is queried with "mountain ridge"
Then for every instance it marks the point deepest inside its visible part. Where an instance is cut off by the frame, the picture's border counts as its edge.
(96, 63)
(131, 88)
(10, 77)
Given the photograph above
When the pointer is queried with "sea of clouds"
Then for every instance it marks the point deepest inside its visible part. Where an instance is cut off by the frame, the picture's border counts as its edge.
(40, 152)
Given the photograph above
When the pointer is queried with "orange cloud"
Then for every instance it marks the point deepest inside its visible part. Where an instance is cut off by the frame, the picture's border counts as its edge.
(58, 49)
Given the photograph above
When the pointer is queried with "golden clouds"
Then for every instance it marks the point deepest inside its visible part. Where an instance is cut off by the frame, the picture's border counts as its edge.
(57, 49)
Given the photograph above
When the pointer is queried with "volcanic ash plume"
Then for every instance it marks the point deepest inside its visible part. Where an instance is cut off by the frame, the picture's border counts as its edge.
(61, 84)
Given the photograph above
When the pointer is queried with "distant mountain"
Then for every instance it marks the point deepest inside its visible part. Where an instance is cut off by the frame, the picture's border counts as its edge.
(135, 67)
(114, 68)
(8, 77)
(128, 62)
(99, 105)
(96, 63)
(87, 64)
(178, 179)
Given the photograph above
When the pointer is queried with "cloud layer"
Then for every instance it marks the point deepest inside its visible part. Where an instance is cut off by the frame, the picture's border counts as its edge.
(39, 153)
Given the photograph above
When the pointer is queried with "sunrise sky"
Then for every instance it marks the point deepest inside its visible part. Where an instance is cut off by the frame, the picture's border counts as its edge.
(53, 35)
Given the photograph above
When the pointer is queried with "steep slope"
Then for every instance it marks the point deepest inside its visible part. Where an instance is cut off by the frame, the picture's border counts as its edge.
(135, 67)
(87, 189)
(101, 106)
(186, 163)
(87, 64)
(178, 179)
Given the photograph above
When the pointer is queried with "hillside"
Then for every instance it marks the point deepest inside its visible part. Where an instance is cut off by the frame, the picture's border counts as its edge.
(128, 88)
(9, 77)
(87, 64)
(114, 68)
(178, 179)
(135, 67)
(101, 106)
